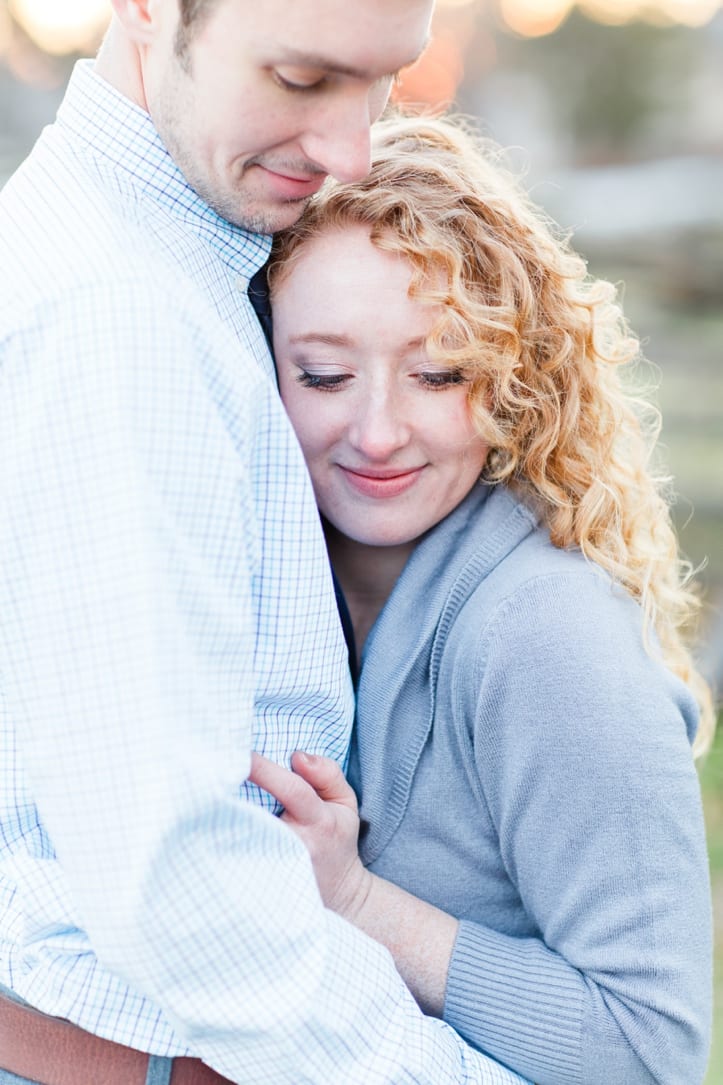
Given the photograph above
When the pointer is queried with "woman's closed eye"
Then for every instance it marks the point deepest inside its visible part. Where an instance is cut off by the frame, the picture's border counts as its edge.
(432, 379)
(325, 382)
(441, 378)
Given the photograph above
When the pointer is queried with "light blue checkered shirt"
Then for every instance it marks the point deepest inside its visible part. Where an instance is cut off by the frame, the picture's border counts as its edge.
(165, 604)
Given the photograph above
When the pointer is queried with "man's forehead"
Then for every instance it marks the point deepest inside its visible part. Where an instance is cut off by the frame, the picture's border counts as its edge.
(350, 38)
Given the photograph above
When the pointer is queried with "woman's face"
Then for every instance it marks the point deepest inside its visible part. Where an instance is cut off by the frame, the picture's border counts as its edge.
(387, 433)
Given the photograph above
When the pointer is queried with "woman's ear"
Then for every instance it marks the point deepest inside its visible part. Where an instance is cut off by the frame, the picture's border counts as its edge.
(139, 18)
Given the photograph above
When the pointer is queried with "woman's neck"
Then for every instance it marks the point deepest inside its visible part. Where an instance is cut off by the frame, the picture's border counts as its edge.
(367, 575)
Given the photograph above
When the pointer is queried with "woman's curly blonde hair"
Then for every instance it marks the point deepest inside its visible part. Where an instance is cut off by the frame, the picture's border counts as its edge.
(542, 345)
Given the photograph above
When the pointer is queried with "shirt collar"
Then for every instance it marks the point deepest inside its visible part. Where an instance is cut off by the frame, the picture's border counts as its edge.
(121, 135)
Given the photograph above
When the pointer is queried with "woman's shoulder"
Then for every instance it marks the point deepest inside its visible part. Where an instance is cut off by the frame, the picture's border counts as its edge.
(549, 601)
(557, 629)
(529, 576)
(506, 586)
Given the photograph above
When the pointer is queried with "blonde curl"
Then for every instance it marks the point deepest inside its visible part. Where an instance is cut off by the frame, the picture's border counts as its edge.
(544, 347)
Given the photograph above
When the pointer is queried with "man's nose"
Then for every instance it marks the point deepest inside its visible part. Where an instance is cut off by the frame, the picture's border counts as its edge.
(341, 145)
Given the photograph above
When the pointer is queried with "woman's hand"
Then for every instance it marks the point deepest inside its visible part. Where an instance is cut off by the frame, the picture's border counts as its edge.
(321, 808)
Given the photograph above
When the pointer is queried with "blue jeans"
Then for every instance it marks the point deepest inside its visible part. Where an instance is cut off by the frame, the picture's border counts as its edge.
(159, 1067)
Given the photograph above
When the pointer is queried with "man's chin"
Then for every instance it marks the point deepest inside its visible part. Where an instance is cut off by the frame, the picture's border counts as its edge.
(269, 218)
(254, 207)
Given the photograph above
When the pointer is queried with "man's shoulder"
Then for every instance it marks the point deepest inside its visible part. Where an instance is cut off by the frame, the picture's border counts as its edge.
(65, 227)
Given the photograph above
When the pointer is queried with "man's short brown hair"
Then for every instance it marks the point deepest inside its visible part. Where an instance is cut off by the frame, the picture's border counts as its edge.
(192, 11)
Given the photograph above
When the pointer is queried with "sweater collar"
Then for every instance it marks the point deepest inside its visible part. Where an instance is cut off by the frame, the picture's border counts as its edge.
(409, 637)
(460, 546)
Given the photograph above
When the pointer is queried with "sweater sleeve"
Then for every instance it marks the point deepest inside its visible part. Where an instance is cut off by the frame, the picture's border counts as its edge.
(581, 744)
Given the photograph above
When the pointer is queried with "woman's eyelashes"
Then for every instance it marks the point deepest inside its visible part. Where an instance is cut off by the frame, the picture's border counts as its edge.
(442, 378)
(326, 382)
(433, 379)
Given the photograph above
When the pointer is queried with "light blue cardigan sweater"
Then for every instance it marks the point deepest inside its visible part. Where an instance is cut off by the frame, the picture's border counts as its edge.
(524, 764)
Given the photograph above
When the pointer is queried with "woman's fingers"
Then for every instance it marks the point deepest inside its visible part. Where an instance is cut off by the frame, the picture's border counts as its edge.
(326, 778)
(298, 797)
(321, 809)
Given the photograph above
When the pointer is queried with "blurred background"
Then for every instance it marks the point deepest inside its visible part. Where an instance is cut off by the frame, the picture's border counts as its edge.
(613, 109)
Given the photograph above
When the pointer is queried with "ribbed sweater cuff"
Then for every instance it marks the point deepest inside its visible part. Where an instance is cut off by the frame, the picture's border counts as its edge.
(518, 1001)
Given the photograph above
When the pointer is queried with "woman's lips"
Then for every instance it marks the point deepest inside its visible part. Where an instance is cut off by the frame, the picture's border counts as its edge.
(381, 483)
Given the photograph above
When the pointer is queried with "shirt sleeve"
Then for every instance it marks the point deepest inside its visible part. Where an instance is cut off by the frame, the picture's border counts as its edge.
(581, 743)
(131, 554)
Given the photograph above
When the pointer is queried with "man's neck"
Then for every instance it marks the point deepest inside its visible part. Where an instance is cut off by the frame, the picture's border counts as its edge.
(118, 63)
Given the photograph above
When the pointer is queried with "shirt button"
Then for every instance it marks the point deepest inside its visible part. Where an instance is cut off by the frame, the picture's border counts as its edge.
(242, 284)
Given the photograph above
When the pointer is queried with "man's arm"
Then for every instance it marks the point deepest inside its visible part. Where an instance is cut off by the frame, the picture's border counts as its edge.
(129, 551)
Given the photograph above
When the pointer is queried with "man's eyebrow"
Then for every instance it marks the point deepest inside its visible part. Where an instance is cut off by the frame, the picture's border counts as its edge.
(327, 64)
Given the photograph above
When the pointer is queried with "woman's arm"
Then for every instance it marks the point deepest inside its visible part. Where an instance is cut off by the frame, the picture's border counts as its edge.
(321, 808)
(578, 738)
(580, 742)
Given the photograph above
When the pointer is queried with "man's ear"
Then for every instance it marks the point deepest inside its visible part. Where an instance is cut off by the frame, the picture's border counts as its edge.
(139, 18)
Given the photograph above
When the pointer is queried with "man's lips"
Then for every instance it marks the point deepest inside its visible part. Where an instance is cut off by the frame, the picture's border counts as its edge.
(293, 186)
(388, 482)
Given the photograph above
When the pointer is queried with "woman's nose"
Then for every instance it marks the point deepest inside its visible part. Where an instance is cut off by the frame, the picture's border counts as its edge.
(380, 428)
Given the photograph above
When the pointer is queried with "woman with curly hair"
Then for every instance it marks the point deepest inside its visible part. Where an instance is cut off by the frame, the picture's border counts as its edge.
(532, 849)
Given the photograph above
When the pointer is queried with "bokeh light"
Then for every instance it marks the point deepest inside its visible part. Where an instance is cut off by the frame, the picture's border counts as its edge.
(61, 26)
(5, 31)
(616, 12)
(690, 12)
(534, 17)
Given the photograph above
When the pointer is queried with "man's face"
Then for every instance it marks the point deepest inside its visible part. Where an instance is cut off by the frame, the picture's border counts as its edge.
(269, 97)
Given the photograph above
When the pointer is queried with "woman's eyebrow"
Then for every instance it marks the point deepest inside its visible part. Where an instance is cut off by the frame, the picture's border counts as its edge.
(330, 338)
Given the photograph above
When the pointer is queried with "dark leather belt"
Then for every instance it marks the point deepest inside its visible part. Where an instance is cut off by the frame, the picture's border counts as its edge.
(56, 1052)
